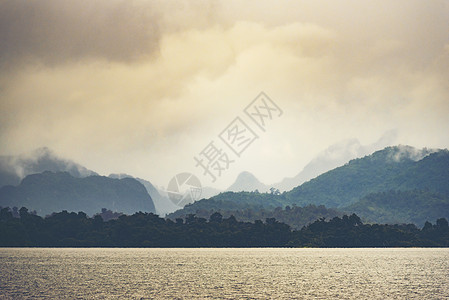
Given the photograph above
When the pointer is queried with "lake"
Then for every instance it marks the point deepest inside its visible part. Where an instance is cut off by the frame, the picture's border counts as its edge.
(99, 273)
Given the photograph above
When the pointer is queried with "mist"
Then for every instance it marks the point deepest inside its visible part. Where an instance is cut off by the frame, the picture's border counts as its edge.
(141, 87)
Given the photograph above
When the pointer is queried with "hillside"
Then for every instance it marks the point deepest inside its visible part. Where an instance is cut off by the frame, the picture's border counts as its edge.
(401, 207)
(332, 157)
(13, 168)
(49, 192)
(162, 204)
(400, 168)
(393, 168)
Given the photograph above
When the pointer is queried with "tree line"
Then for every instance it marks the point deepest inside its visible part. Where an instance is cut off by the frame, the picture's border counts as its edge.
(295, 216)
(66, 229)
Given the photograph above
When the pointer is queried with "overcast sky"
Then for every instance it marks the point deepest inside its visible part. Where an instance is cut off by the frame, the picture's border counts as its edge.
(142, 87)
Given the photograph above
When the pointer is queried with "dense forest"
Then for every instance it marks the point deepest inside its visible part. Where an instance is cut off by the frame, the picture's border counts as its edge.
(294, 216)
(149, 230)
(384, 187)
(389, 207)
(378, 172)
(414, 206)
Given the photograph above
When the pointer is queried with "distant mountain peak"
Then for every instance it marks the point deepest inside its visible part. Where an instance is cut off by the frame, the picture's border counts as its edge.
(245, 175)
(246, 181)
(334, 156)
(393, 168)
(396, 184)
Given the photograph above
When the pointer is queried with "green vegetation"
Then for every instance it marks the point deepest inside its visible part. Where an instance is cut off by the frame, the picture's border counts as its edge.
(148, 230)
(401, 207)
(388, 186)
(358, 183)
(138, 230)
(392, 207)
(296, 217)
(351, 232)
(240, 200)
(379, 172)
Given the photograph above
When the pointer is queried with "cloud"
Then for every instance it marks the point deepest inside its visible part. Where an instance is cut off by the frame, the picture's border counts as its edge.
(142, 86)
(54, 32)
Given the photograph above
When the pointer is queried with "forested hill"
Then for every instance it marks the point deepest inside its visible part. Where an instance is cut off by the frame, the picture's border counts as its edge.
(48, 192)
(382, 171)
(423, 173)
(403, 207)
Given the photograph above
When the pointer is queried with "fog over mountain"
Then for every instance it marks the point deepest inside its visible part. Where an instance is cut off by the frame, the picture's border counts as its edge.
(13, 168)
(334, 156)
(50, 192)
(395, 184)
(344, 151)
(142, 87)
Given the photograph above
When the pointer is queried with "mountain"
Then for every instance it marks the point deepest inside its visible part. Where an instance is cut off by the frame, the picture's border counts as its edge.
(247, 182)
(49, 192)
(234, 201)
(334, 156)
(399, 168)
(162, 203)
(401, 207)
(208, 192)
(160, 197)
(393, 168)
(13, 168)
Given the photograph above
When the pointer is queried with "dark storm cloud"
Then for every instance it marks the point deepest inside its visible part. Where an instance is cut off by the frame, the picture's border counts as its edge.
(55, 31)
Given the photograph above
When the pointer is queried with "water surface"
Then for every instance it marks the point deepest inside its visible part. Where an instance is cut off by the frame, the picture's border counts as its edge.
(224, 273)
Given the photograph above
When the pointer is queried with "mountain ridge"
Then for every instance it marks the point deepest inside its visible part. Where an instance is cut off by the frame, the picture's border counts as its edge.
(398, 168)
(247, 182)
(380, 171)
(48, 192)
(14, 168)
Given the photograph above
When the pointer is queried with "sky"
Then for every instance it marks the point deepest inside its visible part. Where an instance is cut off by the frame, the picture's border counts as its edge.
(144, 87)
